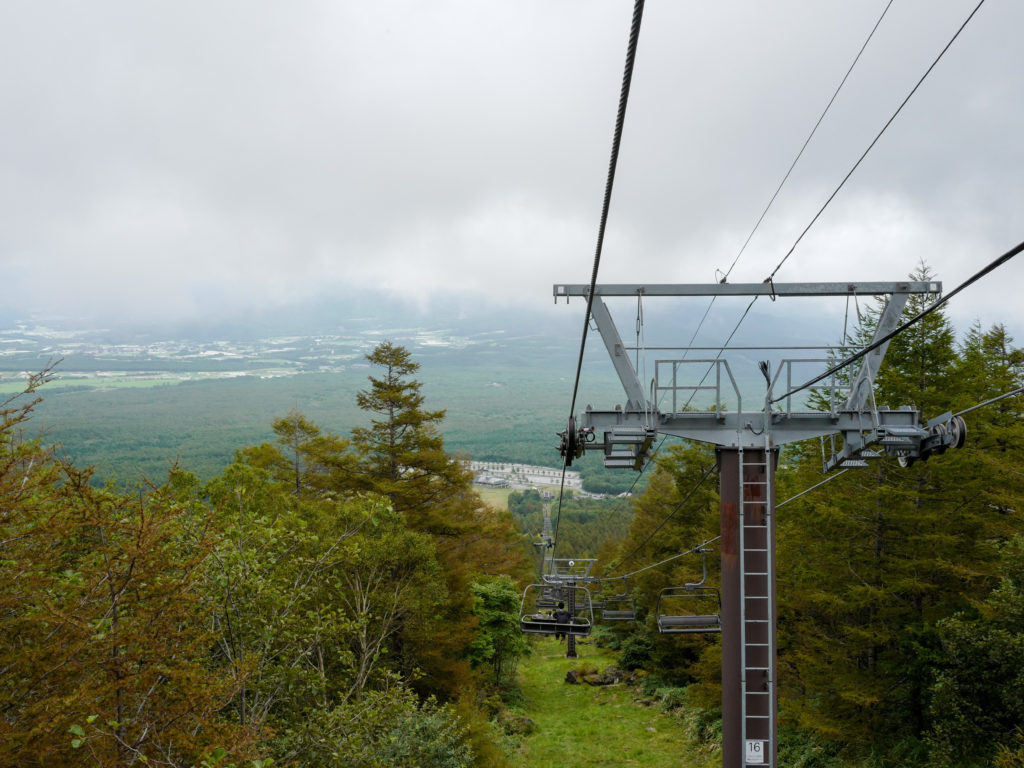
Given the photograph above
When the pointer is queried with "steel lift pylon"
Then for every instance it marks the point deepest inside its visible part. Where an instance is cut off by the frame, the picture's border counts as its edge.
(747, 447)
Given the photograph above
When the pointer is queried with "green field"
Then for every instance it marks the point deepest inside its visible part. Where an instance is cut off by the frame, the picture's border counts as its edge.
(587, 727)
(128, 428)
(496, 497)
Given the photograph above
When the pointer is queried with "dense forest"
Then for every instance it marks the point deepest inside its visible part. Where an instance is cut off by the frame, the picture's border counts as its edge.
(323, 601)
(901, 590)
(500, 407)
(349, 600)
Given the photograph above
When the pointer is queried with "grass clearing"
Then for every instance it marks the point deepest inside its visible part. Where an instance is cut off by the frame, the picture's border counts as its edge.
(495, 497)
(588, 726)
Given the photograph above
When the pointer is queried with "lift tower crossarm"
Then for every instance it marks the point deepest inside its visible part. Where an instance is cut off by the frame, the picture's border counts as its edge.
(748, 289)
(636, 400)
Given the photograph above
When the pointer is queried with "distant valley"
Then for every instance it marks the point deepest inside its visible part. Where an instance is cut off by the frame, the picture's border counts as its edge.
(132, 409)
(132, 402)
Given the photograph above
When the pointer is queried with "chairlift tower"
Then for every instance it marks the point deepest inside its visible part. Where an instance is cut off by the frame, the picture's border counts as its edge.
(568, 571)
(747, 444)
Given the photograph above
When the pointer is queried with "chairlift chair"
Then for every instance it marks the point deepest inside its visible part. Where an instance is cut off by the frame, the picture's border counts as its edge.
(621, 607)
(675, 618)
(535, 620)
(693, 608)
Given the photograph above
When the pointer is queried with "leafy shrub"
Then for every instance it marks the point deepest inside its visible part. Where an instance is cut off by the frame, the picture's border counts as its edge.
(703, 725)
(636, 651)
(380, 729)
(650, 685)
(605, 637)
(802, 749)
(671, 699)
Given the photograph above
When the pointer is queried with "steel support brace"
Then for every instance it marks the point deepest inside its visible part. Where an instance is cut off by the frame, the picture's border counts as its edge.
(636, 399)
(732, 429)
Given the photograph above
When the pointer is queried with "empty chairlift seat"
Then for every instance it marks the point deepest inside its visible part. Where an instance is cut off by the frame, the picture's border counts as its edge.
(689, 610)
(618, 608)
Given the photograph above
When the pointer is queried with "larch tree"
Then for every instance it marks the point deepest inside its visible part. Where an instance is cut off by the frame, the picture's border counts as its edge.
(401, 454)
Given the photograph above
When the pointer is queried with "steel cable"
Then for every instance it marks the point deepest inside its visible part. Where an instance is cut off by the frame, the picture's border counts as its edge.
(620, 121)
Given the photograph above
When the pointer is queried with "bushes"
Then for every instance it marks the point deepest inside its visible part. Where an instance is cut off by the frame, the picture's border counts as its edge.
(382, 728)
(636, 651)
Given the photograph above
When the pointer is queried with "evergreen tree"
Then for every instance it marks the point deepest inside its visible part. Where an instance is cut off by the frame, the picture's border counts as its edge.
(976, 705)
(871, 563)
(401, 454)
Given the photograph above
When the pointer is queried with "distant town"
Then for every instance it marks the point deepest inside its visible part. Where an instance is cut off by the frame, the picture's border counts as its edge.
(90, 356)
(496, 474)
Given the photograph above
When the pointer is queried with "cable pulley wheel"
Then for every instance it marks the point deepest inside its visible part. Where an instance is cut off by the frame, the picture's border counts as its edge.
(958, 430)
(938, 450)
(571, 447)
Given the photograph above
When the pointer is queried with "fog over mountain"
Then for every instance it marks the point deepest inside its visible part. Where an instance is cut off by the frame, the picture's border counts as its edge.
(226, 165)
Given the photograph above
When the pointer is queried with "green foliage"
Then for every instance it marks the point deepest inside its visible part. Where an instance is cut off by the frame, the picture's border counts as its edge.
(382, 729)
(803, 749)
(975, 701)
(105, 631)
(311, 594)
(636, 651)
(499, 641)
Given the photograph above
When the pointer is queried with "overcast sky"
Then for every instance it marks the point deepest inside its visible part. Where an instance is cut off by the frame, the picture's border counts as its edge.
(165, 160)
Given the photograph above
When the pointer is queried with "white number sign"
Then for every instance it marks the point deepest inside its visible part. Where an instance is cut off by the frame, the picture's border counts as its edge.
(755, 752)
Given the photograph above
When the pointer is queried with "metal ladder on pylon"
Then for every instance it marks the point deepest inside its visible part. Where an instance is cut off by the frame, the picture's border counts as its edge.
(547, 534)
(757, 606)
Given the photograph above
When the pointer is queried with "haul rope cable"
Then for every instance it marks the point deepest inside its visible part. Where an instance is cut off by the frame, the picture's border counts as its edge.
(996, 263)
(1011, 393)
(620, 119)
(659, 563)
(875, 140)
(771, 201)
(850, 173)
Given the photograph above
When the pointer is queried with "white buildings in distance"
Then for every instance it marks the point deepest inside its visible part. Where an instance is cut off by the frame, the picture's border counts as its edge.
(498, 474)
